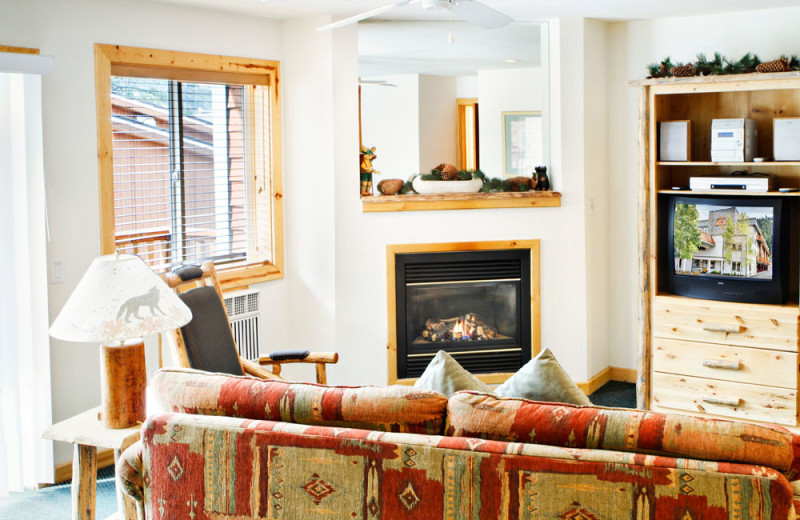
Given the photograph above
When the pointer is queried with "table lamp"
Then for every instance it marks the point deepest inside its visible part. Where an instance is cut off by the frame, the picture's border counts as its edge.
(118, 302)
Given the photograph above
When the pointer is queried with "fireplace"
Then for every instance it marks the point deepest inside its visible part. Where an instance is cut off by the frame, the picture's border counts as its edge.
(474, 304)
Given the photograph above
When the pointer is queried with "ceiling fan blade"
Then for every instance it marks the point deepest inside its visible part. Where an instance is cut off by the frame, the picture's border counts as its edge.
(480, 14)
(363, 16)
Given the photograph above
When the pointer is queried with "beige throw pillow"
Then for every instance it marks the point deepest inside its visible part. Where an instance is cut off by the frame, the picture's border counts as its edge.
(543, 379)
(444, 375)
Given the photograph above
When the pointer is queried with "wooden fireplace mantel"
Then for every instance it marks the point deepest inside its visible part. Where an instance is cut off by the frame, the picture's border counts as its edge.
(535, 285)
(416, 202)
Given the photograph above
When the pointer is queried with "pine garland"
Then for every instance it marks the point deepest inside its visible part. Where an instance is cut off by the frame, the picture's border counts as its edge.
(718, 66)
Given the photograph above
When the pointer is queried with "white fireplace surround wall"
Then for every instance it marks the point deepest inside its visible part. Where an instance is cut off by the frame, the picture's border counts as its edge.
(347, 289)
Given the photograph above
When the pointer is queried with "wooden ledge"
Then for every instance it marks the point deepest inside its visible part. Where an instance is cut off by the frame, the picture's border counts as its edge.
(722, 78)
(415, 202)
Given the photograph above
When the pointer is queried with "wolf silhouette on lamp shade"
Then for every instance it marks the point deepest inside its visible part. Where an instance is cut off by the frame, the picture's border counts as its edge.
(131, 306)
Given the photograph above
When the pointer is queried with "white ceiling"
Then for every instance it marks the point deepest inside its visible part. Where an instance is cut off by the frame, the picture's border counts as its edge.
(422, 48)
(518, 9)
(409, 47)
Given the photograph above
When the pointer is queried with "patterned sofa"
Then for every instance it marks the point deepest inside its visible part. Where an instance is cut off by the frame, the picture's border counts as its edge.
(239, 448)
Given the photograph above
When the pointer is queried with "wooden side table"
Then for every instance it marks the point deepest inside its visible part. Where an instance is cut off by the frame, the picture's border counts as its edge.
(87, 433)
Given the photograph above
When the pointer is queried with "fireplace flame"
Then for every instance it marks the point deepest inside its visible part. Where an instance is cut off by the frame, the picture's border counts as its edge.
(465, 327)
(461, 330)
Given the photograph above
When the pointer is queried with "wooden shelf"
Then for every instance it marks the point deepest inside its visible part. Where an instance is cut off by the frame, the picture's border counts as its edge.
(744, 164)
(415, 202)
(738, 81)
(728, 193)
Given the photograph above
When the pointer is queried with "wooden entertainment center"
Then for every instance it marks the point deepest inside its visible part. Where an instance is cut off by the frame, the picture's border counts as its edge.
(698, 356)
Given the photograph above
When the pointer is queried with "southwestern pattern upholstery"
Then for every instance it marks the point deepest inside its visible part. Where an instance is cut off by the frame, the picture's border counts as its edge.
(394, 408)
(231, 468)
(473, 414)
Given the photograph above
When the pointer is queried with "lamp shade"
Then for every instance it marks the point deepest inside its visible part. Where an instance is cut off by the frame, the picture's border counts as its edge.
(119, 298)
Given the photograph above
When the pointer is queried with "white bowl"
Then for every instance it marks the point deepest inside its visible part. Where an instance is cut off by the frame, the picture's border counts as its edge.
(431, 187)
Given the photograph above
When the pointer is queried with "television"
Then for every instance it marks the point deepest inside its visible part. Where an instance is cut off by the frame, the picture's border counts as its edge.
(726, 248)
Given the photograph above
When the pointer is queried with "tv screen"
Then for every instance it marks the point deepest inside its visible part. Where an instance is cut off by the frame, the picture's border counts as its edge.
(725, 241)
(730, 248)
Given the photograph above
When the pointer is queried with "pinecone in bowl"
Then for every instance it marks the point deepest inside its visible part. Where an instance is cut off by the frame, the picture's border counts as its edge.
(449, 172)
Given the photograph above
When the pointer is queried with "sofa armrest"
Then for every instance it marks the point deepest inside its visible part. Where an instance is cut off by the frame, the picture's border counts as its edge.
(130, 476)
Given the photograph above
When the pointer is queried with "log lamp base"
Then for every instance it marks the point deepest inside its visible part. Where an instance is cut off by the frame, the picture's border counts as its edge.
(124, 379)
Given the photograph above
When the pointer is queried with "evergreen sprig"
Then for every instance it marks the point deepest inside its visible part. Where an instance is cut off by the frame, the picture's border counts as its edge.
(719, 65)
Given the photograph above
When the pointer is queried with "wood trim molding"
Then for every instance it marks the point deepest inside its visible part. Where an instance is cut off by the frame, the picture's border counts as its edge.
(143, 62)
(627, 375)
(63, 472)
(18, 50)
(535, 276)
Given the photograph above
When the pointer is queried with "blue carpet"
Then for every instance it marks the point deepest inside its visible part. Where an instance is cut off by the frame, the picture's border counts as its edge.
(615, 394)
(53, 503)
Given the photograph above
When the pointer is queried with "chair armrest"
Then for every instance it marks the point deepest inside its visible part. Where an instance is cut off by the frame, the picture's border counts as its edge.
(129, 473)
(254, 369)
(320, 359)
(312, 357)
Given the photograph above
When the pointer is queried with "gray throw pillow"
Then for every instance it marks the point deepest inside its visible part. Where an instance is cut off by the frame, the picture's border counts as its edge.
(444, 375)
(543, 379)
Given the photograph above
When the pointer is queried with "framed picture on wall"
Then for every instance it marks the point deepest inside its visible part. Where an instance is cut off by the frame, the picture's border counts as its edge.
(522, 142)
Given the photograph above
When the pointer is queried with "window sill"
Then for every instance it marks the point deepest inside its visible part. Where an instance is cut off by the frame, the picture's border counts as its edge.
(415, 202)
(242, 276)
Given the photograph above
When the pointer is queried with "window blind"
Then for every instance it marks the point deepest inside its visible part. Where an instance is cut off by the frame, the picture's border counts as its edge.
(189, 163)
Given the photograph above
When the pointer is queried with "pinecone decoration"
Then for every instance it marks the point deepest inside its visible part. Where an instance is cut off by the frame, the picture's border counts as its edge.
(449, 172)
(779, 65)
(390, 186)
(683, 71)
(520, 183)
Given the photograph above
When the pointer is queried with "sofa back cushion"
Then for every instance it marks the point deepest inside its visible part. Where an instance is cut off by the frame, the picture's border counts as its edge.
(472, 414)
(392, 408)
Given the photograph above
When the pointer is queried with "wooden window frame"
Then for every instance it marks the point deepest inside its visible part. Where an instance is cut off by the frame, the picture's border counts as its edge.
(155, 63)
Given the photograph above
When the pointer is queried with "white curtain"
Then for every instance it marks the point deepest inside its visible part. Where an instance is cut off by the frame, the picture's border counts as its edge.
(26, 460)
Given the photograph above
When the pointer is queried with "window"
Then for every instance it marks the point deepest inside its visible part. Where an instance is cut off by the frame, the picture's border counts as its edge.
(189, 161)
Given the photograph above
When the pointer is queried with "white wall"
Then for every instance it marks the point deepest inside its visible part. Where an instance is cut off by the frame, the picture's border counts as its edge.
(467, 86)
(361, 240)
(390, 122)
(412, 125)
(499, 91)
(308, 184)
(599, 245)
(68, 30)
(437, 121)
(631, 46)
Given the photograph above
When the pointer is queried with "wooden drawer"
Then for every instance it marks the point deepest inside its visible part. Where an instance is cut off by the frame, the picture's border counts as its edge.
(725, 362)
(725, 398)
(743, 324)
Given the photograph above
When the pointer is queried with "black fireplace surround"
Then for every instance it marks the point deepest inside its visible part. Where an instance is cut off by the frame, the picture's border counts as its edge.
(475, 305)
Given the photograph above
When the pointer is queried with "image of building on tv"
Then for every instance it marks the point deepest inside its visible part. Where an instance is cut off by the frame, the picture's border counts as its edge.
(723, 241)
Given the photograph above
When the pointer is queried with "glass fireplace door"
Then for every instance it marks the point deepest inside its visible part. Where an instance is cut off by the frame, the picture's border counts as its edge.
(469, 304)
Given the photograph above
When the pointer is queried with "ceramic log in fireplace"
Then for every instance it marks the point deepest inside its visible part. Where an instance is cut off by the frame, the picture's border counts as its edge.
(475, 305)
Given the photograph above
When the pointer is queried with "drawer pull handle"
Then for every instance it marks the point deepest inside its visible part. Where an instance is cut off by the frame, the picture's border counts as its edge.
(721, 401)
(721, 363)
(718, 327)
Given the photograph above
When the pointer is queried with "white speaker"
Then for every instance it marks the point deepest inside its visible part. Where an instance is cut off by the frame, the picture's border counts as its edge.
(786, 139)
(674, 140)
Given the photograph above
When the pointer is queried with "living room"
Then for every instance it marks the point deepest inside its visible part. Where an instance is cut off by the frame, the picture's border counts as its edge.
(335, 254)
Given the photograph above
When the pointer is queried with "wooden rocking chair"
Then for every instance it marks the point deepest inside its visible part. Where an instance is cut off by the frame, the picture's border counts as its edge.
(207, 342)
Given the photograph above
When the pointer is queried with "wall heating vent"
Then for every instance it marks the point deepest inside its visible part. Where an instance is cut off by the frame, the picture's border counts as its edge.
(244, 312)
